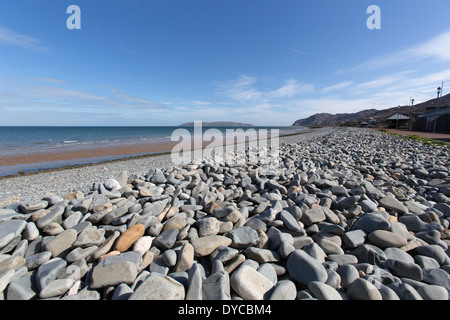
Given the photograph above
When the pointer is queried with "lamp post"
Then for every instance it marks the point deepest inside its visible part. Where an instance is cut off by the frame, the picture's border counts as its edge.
(410, 115)
(437, 107)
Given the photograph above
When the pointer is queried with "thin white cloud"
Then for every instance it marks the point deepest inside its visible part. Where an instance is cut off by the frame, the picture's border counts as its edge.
(240, 89)
(338, 86)
(438, 49)
(244, 89)
(295, 50)
(10, 37)
(22, 95)
(49, 80)
(290, 89)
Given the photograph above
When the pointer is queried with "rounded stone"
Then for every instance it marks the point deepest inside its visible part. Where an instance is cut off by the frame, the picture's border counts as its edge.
(249, 283)
(129, 237)
(284, 290)
(385, 239)
(304, 268)
(208, 226)
(205, 245)
(323, 291)
(60, 245)
(361, 289)
(159, 287)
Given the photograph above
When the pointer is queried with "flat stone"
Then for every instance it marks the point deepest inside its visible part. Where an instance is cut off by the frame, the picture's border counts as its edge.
(348, 274)
(156, 207)
(84, 294)
(249, 283)
(80, 253)
(23, 288)
(405, 291)
(289, 221)
(370, 254)
(437, 277)
(433, 251)
(268, 271)
(31, 232)
(433, 292)
(143, 244)
(348, 202)
(431, 236)
(361, 289)
(29, 207)
(111, 274)
(262, 255)
(398, 254)
(82, 205)
(354, 238)
(304, 268)
(122, 292)
(368, 206)
(13, 262)
(216, 286)
(75, 271)
(185, 258)
(243, 237)
(329, 247)
(312, 216)
(56, 288)
(159, 287)
(9, 230)
(129, 237)
(106, 245)
(52, 216)
(323, 291)
(370, 222)
(391, 203)
(72, 220)
(49, 271)
(34, 261)
(175, 223)
(205, 245)
(343, 259)
(196, 275)
(405, 269)
(166, 239)
(284, 290)
(169, 257)
(385, 239)
(90, 236)
(60, 245)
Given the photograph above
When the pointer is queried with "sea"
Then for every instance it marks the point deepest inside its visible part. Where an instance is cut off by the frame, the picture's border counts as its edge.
(21, 141)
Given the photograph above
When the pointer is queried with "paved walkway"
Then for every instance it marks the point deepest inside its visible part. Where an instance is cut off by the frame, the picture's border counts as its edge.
(430, 135)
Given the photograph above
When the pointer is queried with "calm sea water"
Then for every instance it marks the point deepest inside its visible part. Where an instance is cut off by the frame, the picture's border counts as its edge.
(26, 140)
(15, 140)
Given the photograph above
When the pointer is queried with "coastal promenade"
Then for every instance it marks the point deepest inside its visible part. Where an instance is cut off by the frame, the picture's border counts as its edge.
(429, 135)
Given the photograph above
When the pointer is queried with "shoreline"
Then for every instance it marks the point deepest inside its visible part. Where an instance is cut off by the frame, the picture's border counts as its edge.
(35, 163)
(34, 185)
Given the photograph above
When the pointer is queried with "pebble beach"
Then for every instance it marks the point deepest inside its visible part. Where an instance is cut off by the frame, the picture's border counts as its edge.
(349, 214)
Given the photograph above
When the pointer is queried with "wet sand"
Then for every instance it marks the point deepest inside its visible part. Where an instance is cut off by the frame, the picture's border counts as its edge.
(87, 153)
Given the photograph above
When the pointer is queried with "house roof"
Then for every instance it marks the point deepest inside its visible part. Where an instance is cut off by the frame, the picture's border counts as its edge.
(398, 117)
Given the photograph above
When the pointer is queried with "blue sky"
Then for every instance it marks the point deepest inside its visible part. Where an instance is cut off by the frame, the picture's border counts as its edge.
(265, 62)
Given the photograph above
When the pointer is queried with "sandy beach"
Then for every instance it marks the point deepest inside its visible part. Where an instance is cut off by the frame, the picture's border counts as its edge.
(86, 153)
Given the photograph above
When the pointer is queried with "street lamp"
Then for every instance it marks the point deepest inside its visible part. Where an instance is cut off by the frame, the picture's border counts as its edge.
(437, 107)
(410, 115)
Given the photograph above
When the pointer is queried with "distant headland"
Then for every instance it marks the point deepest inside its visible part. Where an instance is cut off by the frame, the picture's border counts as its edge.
(218, 124)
